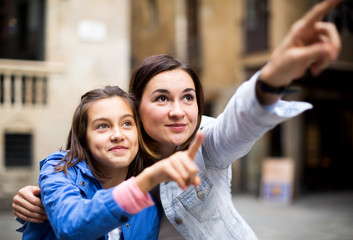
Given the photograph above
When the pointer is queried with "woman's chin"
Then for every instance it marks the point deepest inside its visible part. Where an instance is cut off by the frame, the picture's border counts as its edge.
(179, 143)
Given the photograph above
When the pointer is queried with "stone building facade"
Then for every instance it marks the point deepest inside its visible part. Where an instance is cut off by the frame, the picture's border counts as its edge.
(51, 53)
(86, 44)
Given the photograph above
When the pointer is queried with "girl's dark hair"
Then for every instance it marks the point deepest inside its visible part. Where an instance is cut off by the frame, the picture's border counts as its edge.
(77, 149)
(143, 73)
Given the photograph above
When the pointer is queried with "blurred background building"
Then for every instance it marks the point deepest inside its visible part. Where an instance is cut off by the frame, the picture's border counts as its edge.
(51, 52)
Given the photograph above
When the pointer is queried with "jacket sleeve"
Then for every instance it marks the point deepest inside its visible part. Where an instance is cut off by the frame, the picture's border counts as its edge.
(71, 215)
(242, 123)
(130, 197)
(23, 225)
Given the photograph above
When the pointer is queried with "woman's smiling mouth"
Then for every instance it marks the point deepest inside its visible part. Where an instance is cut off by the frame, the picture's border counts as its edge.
(178, 127)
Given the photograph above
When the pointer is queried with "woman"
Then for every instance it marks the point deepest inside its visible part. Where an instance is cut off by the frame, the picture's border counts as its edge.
(84, 190)
(169, 101)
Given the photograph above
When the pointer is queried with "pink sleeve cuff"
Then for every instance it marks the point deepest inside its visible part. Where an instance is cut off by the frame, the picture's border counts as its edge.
(130, 197)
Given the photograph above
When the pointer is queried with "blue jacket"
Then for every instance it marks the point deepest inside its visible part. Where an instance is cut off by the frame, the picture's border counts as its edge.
(78, 208)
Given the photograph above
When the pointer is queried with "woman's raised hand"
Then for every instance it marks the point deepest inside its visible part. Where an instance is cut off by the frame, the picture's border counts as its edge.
(179, 167)
(310, 44)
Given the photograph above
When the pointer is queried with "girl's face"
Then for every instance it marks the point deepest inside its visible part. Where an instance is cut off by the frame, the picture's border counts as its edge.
(168, 109)
(112, 134)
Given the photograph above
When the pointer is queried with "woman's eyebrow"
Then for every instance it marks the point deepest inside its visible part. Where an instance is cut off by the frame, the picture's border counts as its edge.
(160, 91)
(166, 91)
(189, 90)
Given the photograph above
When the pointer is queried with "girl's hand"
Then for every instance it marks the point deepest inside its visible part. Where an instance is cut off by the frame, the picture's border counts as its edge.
(179, 167)
(28, 206)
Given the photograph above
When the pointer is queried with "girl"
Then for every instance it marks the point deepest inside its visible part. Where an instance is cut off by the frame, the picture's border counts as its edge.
(83, 188)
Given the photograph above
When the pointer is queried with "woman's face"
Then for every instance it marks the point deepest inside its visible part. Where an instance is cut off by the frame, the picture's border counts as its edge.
(168, 109)
(112, 134)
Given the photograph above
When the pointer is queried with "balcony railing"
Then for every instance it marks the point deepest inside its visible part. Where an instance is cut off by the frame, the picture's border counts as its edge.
(24, 82)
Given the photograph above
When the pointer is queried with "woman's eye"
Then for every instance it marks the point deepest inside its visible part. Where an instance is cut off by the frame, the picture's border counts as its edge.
(161, 98)
(189, 97)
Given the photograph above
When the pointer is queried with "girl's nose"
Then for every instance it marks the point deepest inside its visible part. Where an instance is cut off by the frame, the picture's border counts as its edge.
(117, 136)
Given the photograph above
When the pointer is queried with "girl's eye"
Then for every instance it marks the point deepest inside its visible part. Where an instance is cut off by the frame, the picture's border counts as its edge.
(162, 98)
(189, 97)
(102, 126)
(128, 124)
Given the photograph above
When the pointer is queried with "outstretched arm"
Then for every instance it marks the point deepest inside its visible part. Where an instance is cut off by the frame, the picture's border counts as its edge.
(311, 44)
(28, 206)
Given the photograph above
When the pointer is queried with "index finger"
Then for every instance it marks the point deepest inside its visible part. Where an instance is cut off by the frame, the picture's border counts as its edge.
(194, 147)
(318, 12)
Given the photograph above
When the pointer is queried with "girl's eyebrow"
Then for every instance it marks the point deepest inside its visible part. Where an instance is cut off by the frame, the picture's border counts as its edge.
(100, 119)
(107, 119)
(166, 91)
(127, 115)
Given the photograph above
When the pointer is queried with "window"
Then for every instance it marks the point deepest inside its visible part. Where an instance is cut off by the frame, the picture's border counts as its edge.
(256, 25)
(22, 29)
(18, 149)
(193, 34)
(1, 89)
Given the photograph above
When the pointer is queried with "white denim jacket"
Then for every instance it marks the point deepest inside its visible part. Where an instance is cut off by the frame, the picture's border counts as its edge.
(207, 211)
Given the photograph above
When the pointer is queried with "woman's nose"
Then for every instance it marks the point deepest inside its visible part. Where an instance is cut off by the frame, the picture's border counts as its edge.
(176, 111)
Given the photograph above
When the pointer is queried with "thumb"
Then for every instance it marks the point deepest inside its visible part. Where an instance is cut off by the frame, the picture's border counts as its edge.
(194, 147)
(35, 190)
